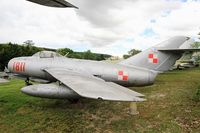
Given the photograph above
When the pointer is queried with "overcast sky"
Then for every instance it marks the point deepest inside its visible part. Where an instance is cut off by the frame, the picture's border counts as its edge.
(103, 26)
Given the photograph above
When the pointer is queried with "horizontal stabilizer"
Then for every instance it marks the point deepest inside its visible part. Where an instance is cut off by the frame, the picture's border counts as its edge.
(163, 56)
(54, 3)
(179, 50)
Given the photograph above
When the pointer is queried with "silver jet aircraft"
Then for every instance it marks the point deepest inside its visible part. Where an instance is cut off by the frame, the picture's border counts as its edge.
(65, 78)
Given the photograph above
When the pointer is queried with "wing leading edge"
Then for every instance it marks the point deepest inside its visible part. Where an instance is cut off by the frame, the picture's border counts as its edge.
(92, 87)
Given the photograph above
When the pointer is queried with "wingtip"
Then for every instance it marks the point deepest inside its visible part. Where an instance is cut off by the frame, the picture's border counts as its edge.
(137, 99)
(136, 94)
(140, 95)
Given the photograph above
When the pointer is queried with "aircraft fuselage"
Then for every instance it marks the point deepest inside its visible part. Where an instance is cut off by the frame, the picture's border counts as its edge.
(120, 74)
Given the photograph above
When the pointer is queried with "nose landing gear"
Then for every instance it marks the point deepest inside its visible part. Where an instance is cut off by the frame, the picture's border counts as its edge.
(27, 82)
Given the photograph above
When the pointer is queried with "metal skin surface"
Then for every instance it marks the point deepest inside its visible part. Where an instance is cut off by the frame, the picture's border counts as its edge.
(54, 91)
(54, 3)
(106, 71)
(96, 79)
(109, 72)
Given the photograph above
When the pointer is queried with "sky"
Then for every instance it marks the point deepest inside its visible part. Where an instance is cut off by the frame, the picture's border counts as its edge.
(103, 26)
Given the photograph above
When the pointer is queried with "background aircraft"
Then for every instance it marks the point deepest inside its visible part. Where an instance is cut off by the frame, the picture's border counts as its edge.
(4, 76)
(54, 3)
(2, 80)
(72, 78)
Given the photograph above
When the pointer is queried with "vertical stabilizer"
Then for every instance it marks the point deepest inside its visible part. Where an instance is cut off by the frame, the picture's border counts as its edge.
(154, 59)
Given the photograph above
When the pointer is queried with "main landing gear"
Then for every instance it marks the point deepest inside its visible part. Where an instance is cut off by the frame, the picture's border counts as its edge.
(27, 81)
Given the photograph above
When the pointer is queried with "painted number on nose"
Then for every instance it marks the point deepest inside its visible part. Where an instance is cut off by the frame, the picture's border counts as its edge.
(19, 66)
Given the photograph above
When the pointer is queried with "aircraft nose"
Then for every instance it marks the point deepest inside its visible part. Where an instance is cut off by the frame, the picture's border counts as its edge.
(10, 64)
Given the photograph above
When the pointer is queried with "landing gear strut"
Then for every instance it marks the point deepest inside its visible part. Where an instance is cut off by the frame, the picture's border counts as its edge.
(27, 82)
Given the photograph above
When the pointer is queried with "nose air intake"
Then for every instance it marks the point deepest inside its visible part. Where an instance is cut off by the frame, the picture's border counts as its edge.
(10, 65)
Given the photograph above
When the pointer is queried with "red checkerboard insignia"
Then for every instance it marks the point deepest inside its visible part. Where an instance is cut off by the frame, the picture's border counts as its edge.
(153, 58)
(122, 75)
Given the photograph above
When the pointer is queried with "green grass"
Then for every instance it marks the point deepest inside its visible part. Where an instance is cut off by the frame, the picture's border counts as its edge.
(197, 95)
(170, 107)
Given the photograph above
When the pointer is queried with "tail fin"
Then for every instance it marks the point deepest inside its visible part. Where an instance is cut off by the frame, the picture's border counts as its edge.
(162, 56)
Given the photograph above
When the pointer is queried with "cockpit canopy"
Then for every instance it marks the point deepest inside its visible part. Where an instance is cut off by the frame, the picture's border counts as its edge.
(47, 54)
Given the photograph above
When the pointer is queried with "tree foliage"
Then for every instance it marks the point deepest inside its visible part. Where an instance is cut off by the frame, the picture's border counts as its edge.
(196, 45)
(131, 53)
(82, 55)
(65, 51)
(29, 42)
(9, 51)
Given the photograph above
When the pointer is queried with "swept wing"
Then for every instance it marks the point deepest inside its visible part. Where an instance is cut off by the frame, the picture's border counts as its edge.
(92, 87)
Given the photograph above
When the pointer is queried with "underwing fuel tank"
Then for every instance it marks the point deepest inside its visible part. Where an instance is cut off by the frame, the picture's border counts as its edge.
(52, 91)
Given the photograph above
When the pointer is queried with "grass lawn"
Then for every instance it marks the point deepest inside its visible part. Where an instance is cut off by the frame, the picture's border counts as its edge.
(169, 108)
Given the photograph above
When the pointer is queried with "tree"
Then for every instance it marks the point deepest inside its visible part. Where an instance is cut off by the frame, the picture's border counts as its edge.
(29, 43)
(89, 55)
(65, 51)
(196, 45)
(131, 53)
(9, 51)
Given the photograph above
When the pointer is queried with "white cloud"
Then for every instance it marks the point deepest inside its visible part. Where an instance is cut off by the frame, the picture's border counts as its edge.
(105, 26)
(184, 21)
